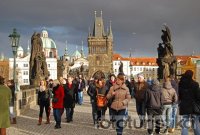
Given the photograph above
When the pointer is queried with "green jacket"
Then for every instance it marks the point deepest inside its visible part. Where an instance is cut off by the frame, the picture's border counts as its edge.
(5, 97)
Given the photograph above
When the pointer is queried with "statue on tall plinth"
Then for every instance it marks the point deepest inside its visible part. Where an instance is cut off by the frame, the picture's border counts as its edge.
(38, 65)
(166, 60)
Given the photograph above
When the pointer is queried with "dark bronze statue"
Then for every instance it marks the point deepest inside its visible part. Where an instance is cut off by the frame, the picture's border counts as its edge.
(121, 68)
(38, 65)
(166, 60)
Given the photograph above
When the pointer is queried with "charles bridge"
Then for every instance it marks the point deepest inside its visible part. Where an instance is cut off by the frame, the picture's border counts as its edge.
(28, 111)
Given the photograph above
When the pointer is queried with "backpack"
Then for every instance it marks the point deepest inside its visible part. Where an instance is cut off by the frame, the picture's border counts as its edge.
(101, 100)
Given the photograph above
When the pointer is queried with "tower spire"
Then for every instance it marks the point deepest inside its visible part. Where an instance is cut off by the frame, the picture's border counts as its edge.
(95, 13)
(28, 48)
(66, 48)
(89, 32)
(82, 55)
(110, 30)
(130, 53)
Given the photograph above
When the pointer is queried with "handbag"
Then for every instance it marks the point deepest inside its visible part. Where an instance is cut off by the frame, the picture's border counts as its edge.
(55, 100)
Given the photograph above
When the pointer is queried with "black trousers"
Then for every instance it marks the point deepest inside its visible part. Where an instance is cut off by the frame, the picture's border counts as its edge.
(46, 106)
(154, 118)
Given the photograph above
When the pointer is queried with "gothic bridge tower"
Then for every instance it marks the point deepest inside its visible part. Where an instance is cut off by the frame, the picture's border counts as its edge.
(100, 45)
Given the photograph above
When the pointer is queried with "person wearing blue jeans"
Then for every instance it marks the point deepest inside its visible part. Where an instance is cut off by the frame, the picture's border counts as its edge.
(170, 97)
(80, 97)
(118, 118)
(166, 115)
(121, 97)
(57, 117)
(195, 124)
(173, 118)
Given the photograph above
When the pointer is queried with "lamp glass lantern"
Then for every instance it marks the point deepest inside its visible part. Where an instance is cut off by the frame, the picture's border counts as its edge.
(14, 40)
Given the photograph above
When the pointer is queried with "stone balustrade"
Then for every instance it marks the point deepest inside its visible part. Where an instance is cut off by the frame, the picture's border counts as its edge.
(25, 99)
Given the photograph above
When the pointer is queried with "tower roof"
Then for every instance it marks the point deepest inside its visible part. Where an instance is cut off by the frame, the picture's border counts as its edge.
(98, 30)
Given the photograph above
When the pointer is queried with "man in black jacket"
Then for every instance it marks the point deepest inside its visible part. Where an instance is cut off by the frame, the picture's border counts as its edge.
(93, 93)
(189, 102)
(154, 102)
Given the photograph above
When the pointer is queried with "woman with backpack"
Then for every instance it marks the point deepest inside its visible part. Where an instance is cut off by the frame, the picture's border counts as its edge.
(121, 97)
(101, 100)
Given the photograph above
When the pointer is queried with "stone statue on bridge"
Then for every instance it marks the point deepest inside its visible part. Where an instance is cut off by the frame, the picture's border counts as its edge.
(38, 65)
(121, 67)
(166, 60)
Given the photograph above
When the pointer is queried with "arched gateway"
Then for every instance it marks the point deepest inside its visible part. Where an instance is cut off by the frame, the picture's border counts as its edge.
(99, 74)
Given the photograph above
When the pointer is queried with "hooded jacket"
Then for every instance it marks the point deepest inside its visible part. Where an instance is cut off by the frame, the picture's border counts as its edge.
(154, 97)
(169, 94)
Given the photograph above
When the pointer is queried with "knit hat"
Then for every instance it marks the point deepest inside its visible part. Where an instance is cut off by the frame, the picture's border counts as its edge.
(140, 76)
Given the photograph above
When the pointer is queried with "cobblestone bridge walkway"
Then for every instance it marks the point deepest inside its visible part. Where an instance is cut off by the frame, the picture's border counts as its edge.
(82, 123)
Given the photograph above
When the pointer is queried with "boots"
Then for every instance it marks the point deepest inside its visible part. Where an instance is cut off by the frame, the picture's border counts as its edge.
(48, 121)
(14, 121)
(2, 131)
(39, 121)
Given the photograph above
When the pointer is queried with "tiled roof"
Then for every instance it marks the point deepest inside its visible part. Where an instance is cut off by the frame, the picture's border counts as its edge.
(143, 61)
(119, 57)
(140, 61)
(151, 61)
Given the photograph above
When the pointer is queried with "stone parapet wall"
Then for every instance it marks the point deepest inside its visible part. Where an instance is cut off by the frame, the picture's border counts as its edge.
(25, 99)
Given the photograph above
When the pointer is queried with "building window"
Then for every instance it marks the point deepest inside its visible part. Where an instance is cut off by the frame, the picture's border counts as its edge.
(141, 69)
(16, 65)
(25, 80)
(115, 70)
(48, 65)
(115, 63)
(51, 54)
(25, 73)
(25, 65)
(134, 68)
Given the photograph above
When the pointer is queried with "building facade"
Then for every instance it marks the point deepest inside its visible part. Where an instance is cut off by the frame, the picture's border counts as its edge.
(51, 54)
(22, 69)
(4, 68)
(117, 59)
(134, 66)
(100, 45)
(198, 71)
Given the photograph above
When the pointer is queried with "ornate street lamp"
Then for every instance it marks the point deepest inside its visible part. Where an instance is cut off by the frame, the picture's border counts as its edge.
(14, 39)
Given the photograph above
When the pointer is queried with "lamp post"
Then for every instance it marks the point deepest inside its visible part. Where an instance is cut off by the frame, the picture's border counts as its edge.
(14, 39)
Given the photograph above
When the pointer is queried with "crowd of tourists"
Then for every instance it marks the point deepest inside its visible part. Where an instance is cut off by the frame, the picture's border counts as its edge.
(157, 103)
(63, 94)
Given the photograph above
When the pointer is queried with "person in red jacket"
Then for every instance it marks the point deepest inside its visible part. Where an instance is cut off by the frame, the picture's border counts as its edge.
(57, 102)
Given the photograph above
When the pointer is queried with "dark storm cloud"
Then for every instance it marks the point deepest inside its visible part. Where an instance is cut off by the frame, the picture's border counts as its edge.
(70, 19)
